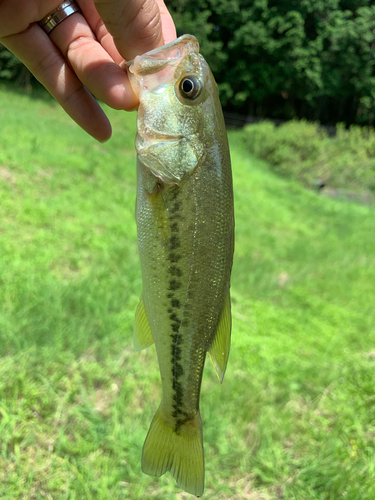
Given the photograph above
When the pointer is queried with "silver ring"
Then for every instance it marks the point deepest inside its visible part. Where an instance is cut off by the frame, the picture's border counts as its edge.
(58, 15)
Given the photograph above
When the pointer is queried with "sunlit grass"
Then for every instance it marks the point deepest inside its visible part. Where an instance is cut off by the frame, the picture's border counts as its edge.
(295, 416)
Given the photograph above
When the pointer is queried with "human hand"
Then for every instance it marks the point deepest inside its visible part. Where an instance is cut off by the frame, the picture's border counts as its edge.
(82, 54)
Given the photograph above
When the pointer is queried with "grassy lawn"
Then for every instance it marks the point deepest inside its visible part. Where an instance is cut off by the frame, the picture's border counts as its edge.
(295, 416)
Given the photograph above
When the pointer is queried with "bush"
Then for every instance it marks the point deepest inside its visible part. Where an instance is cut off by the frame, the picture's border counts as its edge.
(303, 151)
(12, 70)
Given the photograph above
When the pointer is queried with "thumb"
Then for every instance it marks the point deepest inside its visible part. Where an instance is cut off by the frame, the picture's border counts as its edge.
(137, 26)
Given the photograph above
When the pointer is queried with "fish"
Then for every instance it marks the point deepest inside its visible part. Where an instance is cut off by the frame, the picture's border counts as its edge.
(185, 228)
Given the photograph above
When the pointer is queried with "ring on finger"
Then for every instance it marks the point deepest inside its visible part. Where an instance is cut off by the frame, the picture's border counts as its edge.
(63, 11)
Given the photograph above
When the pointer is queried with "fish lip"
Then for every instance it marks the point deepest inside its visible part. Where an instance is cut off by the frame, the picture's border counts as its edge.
(182, 41)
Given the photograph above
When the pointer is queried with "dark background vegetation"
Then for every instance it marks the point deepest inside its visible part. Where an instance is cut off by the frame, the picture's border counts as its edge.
(288, 58)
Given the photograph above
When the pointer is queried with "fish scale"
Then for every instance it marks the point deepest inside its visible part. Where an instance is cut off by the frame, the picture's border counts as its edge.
(185, 226)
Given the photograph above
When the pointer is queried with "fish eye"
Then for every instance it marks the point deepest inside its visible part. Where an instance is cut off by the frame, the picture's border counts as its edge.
(190, 87)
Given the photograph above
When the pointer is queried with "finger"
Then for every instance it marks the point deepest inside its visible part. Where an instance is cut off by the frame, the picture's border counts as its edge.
(45, 61)
(92, 64)
(135, 26)
(99, 29)
(16, 16)
(167, 24)
(105, 38)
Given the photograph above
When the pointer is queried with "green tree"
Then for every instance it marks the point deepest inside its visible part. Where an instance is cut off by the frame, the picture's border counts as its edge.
(11, 68)
(288, 58)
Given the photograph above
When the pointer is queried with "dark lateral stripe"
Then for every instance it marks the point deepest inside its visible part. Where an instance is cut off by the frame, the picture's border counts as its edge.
(174, 242)
(175, 271)
(175, 305)
(174, 257)
(174, 284)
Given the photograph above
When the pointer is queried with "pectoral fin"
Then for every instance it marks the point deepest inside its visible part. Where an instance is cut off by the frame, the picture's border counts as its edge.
(142, 336)
(219, 350)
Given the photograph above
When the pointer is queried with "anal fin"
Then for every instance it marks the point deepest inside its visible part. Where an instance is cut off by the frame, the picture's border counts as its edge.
(219, 350)
(142, 335)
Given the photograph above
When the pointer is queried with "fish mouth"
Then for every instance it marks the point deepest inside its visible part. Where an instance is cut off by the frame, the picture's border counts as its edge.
(171, 53)
(160, 61)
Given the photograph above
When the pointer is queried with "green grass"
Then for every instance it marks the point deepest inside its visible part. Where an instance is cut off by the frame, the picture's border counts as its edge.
(295, 416)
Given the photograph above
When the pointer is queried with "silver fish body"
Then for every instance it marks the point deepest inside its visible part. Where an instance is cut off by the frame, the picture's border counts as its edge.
(185, 228)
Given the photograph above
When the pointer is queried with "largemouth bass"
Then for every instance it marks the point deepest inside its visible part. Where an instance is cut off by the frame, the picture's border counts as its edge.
(185, 226)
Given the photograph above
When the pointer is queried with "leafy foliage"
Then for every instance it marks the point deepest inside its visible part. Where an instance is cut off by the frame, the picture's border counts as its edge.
(285, 59)
(303, 151)
(11, 68)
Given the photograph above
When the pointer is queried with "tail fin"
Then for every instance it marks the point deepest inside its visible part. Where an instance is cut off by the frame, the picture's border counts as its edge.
(179, 451)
